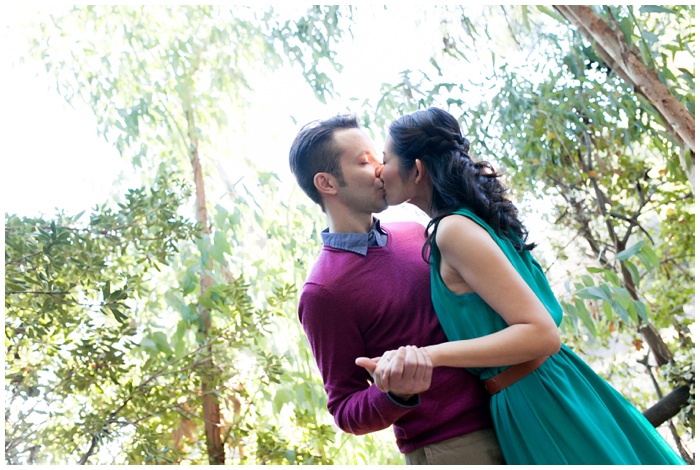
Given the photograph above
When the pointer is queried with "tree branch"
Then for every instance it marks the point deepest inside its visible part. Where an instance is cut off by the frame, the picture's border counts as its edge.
(667, 407)
(36, 292)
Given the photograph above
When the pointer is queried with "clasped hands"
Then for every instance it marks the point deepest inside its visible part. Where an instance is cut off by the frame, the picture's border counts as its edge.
(404, 372)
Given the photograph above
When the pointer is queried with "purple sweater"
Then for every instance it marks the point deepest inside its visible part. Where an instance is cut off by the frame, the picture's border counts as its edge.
(353, 305)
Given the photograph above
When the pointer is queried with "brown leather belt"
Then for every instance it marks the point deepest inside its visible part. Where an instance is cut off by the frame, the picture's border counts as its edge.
(512, 374)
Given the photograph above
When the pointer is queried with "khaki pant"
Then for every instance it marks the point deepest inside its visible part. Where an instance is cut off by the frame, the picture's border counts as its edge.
(476, 448)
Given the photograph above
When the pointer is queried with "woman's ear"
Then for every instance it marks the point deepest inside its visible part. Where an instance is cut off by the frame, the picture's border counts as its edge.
(326, 183)
(419, 171)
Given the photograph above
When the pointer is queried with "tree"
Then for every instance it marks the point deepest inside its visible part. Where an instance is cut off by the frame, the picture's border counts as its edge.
(163, 83)
(613, 167)
(70, 290)
(620, 54)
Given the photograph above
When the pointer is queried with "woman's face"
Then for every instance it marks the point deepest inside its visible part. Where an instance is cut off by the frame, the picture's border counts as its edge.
(396, 187)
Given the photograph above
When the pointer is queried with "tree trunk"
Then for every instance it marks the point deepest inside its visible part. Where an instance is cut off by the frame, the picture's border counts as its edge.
(661, 351)
(625, 61)
(210, 404)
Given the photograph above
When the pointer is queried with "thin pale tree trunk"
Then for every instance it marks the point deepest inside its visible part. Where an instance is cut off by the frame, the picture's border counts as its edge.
(210, 405)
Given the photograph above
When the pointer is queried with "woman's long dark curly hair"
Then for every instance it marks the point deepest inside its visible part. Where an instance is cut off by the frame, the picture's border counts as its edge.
(434, 137)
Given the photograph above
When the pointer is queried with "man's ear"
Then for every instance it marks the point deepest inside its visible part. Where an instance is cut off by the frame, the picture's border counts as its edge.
(326, 183)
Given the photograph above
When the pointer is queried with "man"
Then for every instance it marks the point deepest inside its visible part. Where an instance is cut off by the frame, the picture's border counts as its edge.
(369, 292)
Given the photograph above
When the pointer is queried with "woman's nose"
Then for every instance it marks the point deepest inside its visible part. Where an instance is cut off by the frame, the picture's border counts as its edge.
(378, 170)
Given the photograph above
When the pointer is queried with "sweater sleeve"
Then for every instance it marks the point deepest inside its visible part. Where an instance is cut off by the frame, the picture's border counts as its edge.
(335, 337)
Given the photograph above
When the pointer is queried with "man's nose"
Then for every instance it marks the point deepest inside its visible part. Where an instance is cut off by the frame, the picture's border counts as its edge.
(378, 170)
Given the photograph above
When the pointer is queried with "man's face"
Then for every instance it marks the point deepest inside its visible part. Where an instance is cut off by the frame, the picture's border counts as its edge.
(363, 191)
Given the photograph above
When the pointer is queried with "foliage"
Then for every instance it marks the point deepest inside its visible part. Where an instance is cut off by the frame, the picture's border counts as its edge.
(665, 38)
(71, 324)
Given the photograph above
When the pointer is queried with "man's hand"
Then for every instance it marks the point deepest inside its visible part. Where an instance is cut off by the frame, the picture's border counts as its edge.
(404, 372)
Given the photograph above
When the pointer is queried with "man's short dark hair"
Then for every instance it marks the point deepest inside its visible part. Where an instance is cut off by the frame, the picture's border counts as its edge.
(314, 151)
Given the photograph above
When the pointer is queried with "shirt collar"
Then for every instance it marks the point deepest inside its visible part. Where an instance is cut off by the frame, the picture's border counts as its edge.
(356, 242)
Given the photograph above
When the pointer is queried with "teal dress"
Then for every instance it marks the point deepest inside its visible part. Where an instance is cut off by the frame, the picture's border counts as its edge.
(563, 412)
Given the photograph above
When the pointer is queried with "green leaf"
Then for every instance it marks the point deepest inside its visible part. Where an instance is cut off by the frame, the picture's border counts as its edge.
(626, 254)
(627, 27)
(220, 216)
(204, 245)
(188, 313)
(621, 296)
(149, 344)
(595, 270)
(190, 279)
(585, 316)
(567, 324)
(552, 13)
(632, 312)
(221, 245)
(180, 347)
(655, 9)
(641, 309)
(650, 254)
(646, 260)
(105, 291)
(634, 272)
(607, 310)
(121, 318)
(621, 311)
(569, 309)
(593, 293)
(161, 342)
(282, 397)
(611, 277)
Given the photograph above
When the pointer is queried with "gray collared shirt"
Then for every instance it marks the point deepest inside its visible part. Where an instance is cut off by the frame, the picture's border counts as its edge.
(356, 242)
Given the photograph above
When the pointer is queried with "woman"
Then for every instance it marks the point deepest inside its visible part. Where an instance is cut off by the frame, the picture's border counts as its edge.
(498, 310)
